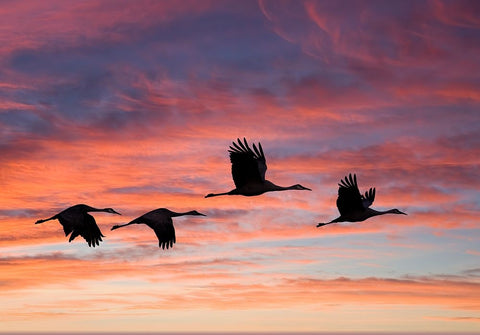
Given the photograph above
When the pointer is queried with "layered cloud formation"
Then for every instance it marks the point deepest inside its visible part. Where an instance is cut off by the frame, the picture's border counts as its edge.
(133, 106)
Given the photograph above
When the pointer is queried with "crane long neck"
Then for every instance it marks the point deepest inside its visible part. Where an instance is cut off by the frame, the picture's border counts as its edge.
(126, 224)
(44, 220)
(232, 192)
(339, 219)
(374, 212)
(93, 209)
(123, 225)
(173, 214)
(274, 187)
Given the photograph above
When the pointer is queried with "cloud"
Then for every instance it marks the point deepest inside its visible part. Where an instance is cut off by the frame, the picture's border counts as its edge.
(219, 292)
(455, 318)
(134, 106)
(475, 272)
(458, 14)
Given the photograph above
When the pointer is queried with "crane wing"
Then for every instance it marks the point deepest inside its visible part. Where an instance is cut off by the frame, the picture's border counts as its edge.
(162, 225)
(70, 221)
(367, 199)
(67, 226)
(71, 214)
(165, 232)
(248, 166)
(349, 198)
(90, 231)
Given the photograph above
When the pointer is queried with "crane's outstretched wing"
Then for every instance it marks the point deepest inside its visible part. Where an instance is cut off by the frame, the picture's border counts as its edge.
(161, 223)
(349, 198)
(248, 166)
(70, 219)
(90, 231)
(67, 226)
(69, 223)
(367, 199)
(165, 232)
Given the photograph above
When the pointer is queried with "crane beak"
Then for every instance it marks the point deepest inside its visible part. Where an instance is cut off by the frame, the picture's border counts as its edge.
(115, 212)
(303, 187)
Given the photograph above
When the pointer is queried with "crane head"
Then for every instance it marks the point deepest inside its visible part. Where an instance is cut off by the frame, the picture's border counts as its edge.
(300, 187)
(111, 210)
(396, 211)
(196, 213)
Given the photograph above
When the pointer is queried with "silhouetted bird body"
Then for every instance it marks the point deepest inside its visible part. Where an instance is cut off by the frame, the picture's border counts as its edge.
(160, 220)
(353, 206)
(77, 221)
(248, 172)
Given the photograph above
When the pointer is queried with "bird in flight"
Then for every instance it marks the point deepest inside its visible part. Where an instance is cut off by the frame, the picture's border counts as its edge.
(160, 220)
(353, 206)
(248, 172)
(77, 221)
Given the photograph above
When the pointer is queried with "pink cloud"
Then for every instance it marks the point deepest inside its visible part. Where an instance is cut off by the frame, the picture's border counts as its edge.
(68, 22)
(298, 292)
(104, 104)
(457, 14)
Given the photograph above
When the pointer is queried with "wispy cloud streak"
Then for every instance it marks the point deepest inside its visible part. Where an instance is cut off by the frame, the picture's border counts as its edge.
(133, 106)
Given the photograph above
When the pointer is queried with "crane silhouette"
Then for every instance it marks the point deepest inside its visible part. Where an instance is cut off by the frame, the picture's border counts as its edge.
(160, 220)
(353, 206)
(77, 221)
(248, 172)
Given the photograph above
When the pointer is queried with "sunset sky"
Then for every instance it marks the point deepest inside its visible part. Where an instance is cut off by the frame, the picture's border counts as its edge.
(133, 104)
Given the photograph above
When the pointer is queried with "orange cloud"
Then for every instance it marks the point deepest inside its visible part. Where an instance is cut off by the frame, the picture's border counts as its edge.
(136, 109)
